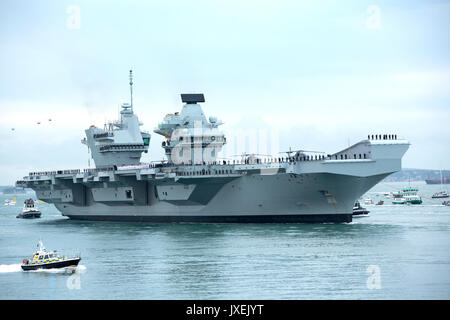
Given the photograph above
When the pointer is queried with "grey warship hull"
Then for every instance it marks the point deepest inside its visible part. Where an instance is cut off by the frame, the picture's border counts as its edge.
(298, 190)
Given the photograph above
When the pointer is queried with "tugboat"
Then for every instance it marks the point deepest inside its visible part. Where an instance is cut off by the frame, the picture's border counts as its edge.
(359, 211)
(29, 210)
(44, 259)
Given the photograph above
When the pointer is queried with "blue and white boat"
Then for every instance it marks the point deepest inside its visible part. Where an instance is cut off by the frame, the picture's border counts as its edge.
(44, 259)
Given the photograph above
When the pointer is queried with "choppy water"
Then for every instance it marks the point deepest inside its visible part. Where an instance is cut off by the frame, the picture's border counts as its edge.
(399, 252)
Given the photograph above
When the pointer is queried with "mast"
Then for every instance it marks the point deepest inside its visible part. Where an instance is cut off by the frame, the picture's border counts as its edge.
(41, 245)
(131, 89)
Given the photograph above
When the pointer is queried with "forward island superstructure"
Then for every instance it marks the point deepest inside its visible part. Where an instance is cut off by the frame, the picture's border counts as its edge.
(194, 186)
(119, 142)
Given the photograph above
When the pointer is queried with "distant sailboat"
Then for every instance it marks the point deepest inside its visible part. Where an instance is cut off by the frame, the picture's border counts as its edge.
(441, 194)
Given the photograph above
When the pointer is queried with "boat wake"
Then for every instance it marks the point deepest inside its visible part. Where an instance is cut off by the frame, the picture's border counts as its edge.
(6, 268)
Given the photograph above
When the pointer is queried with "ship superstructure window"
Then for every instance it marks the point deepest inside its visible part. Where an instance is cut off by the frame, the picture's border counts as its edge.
(128, 194)
(146, 141)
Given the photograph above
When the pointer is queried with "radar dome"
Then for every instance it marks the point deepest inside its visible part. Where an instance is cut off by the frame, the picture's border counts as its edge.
(213, 119)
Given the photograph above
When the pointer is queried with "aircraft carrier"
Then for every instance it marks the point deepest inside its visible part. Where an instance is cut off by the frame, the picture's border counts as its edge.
(193, 185)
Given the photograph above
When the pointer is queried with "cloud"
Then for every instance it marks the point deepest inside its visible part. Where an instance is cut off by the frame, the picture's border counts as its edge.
(312, 72)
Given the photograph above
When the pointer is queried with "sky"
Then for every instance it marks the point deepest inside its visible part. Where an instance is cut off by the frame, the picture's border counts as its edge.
(314, 75)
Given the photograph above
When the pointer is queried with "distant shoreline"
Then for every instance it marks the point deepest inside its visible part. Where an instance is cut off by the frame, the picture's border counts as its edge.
(416, 175)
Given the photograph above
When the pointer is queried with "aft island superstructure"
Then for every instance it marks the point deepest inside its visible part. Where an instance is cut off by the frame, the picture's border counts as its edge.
(193, 185)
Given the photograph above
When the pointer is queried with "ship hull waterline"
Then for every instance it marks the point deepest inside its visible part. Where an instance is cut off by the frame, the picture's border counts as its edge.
(309, 218)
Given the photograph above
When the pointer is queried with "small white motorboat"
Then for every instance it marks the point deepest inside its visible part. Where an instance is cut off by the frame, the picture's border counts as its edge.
(29, 210)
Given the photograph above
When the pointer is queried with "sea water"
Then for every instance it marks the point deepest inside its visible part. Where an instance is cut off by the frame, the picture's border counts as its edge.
(398, 252)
